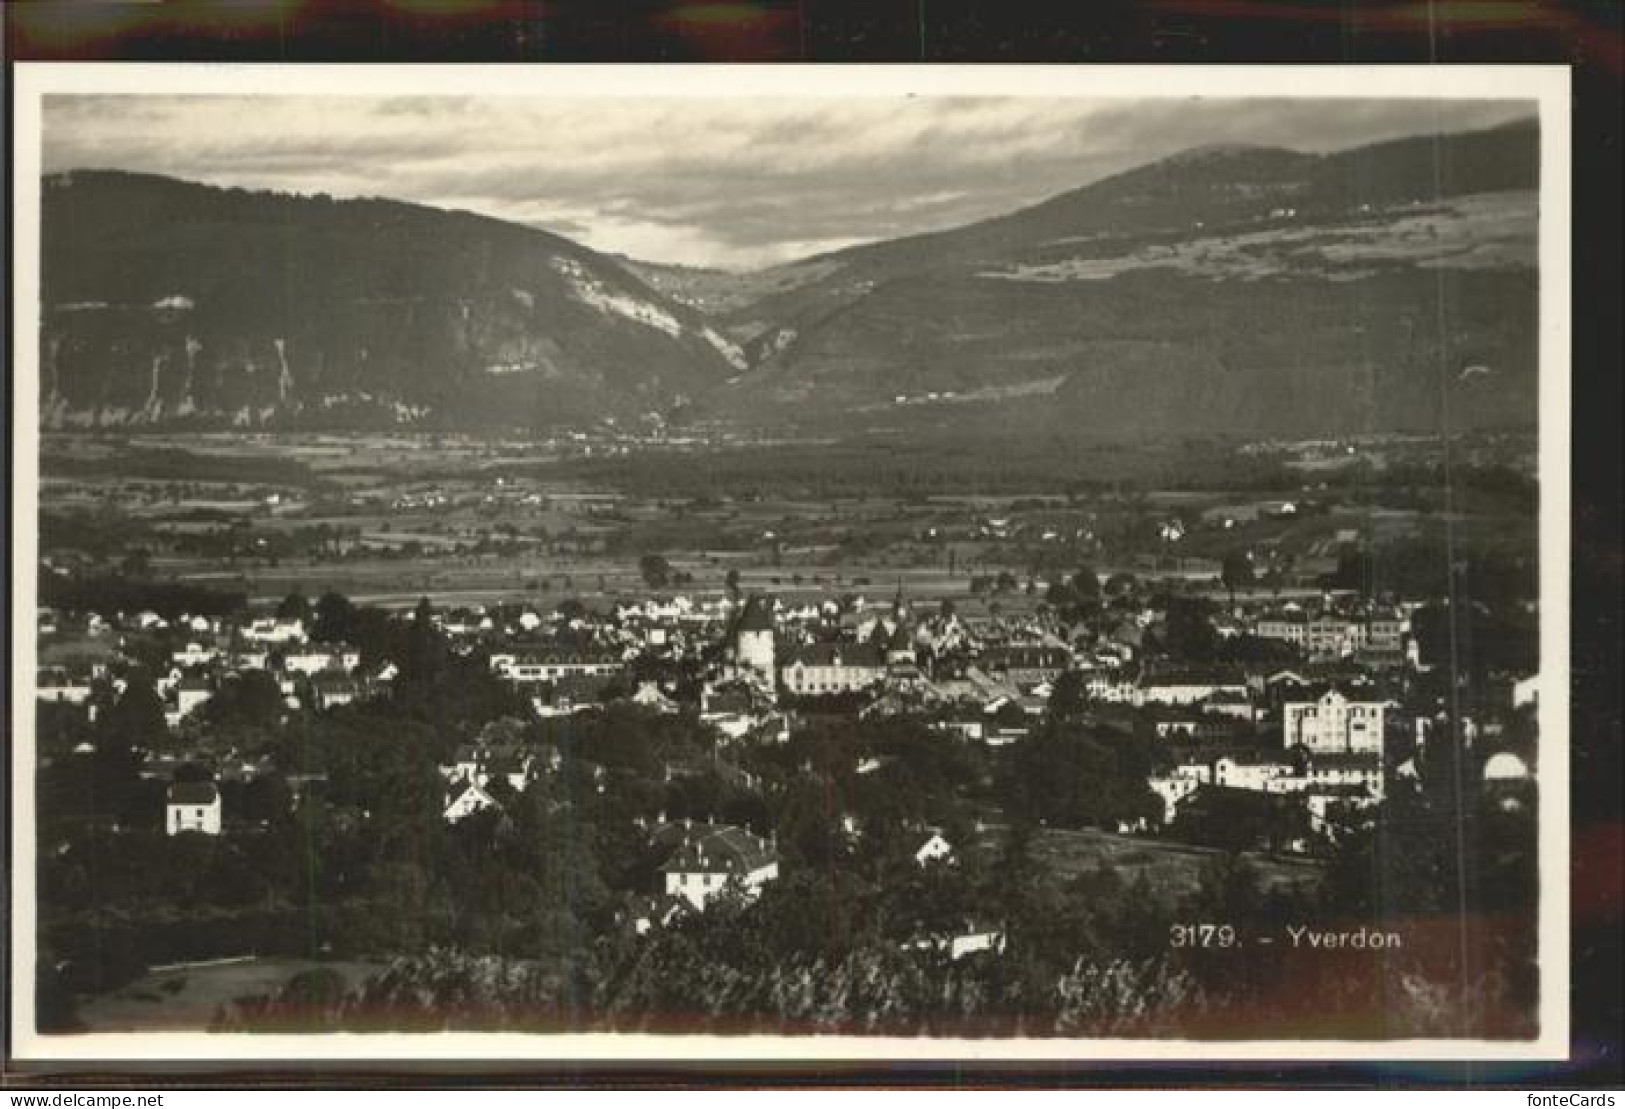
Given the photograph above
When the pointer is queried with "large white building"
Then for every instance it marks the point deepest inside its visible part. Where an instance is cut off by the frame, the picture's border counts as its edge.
(711, 858)
(830, 668)
(1333, 724)
(551, 664)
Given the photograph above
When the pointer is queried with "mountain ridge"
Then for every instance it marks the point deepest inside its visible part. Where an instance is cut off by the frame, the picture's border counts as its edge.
(1104, 308)
(168, 300)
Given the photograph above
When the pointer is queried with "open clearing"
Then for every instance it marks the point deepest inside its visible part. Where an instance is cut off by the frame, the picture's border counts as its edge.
(186, 999)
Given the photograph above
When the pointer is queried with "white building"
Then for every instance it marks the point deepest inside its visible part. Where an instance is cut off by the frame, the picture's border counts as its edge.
(191, 694)
(52, 683)
(753, 639)
(1187, 689)
(830, 668)
(466, 800)
(711, 858)
(550, 665)
(195, 654)
(271, 630)
(934, 849)
(1332, 724)
(192, 807)
(314, 660)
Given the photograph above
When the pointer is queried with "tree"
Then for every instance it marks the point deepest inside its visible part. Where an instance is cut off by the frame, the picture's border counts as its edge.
(1187, 633)
(1086, 587)
(1237, 573)
(335, 619)
(137, 563)
(1069, 695)
(137, 717)
(248, 699)
(293, 607)
(1071, 777)
(1121, 584)
(424, 650)
(656, 570)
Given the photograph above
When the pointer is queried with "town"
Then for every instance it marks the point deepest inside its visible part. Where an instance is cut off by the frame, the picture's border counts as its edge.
(939, 768)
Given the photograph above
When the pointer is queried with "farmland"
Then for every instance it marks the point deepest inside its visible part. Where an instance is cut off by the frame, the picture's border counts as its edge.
(387, 519)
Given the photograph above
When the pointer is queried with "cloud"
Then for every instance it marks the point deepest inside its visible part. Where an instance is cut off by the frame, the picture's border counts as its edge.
(704, 181)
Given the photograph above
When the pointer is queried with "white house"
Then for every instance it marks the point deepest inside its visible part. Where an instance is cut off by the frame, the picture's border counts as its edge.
(53, 683)
(465, 801)
(649, 696)
(271, 630)
(192, 807)
(934, 849)
(711, 858)
(195, 654)
(191, 694)
(315, 659)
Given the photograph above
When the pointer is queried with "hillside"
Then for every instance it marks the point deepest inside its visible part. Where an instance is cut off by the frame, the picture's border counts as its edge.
(1236, 289)
(1226, 290)
(167, 301)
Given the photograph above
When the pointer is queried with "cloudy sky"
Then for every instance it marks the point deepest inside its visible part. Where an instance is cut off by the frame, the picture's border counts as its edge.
(710, 182)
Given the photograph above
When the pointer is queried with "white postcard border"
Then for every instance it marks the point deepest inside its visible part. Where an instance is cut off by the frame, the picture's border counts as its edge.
(1548, 85)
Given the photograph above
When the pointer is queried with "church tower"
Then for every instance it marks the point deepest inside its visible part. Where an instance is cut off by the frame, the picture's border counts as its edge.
(753, 638)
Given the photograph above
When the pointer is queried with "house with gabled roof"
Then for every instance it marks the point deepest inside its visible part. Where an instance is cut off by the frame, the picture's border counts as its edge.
(703, 860)
(933, 848)
(822, 669)
(192, 807)
(465, 799)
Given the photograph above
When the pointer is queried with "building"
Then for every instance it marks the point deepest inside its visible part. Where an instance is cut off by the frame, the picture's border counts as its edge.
(1329, 635)
(1287, 627)
(821, 669)
(754, 649)
(1333, 723)
(315, 659)
(1228, 703)
(552, 664)
(1321, 783)
(192, 807)
(650, 696)
(706, 859)
(934, 849)
(1187, 688)
(273, 630)
(1027, 665)
(190, 695)
(194, 654)
(331, 689)
(54, 683)
(465, 800)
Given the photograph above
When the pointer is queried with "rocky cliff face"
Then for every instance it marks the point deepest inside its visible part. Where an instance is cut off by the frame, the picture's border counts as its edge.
(167, 302)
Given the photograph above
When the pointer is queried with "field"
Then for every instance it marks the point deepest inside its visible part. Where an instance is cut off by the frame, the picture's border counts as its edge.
(1172, 868)
(187, 998)
(387, 519)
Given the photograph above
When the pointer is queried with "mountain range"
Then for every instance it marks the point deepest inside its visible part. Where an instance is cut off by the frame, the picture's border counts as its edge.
(1225, 290)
